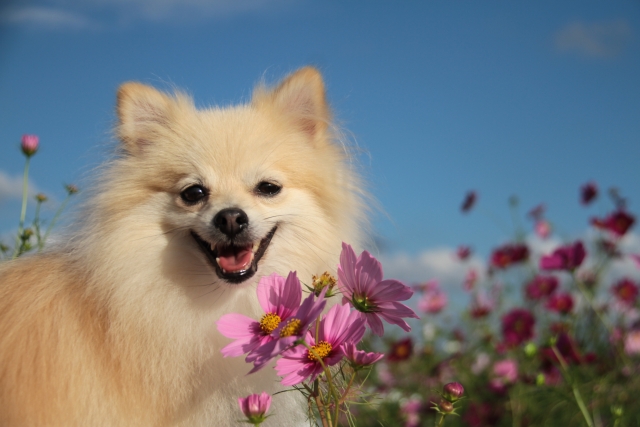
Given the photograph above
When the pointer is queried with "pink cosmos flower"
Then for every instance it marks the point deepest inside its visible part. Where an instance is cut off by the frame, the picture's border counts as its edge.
(481, 305)
(469, 201)
(560, 303)
(29, 144)
(517, 326)
(411, 411)
(541, 287)
(618, 222)
(632, 342)
(564, 258)
(509, 254)
(361, 284)
(470, 279)
(279, 298)
(588, 193)
(636, 259)
(255, 406)
(433, 301)
(505, 373)
(339, 325)
(542, 228)
(626, 291)
(359, 358)
(287, 333)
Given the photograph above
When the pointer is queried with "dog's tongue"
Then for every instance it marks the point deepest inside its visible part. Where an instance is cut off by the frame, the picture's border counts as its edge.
(234, 258)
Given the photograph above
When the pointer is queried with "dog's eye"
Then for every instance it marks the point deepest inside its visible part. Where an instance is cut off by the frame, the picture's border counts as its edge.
(193, 194)
(267, 188)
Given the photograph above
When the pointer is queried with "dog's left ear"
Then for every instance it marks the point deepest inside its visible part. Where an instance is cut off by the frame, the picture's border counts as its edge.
(301, 98)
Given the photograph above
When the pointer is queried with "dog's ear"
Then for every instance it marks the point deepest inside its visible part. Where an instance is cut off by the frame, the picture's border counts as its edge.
(142, 114)
(301, 98)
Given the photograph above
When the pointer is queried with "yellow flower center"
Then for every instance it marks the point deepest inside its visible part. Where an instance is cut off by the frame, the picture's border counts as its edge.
(322, 350)
(269, 322)
(291, 328)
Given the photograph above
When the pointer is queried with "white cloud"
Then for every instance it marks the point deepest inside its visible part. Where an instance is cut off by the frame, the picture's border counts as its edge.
(82, 14)
(11, 187)
(438, 263)
(596, 40)
(47, 18)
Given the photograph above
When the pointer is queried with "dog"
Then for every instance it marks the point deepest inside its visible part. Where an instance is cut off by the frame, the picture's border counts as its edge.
(115, 324)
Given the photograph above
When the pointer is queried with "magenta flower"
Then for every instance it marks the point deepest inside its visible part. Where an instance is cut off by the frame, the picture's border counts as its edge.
(541, 287)
(279, 298)
(288, 332)
(509, 254)
(463, 252)
(339, 326)
(29, 144)
(401, 350)
(537, 213)
(517, 326)
(469, 201)
(561, 303)
(618, 222)
(255, 406)
(564, 258)
(433, 301)
(361, 284)
(588, 193)
(359, 358)
(626, 291)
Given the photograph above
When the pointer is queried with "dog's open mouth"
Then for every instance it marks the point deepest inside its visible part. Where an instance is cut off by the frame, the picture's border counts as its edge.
(235, 263)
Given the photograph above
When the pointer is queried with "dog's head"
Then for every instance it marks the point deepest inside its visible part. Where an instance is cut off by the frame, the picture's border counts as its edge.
(249, 189)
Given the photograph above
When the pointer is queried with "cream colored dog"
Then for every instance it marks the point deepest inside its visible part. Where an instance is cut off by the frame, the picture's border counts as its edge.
(116, 326)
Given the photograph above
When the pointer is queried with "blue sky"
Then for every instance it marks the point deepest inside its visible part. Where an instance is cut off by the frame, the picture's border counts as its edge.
(508, 98)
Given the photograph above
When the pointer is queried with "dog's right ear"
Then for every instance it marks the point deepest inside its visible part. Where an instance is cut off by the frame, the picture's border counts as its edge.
(143, 112)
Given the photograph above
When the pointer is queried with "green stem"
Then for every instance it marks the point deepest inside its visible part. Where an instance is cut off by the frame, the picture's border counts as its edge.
(576, 392)
(23, 211)
(332, 390)
(53, 221)
(441, 420)
(36, 225)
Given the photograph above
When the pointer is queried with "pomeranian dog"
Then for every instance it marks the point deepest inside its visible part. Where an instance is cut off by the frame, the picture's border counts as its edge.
(115, 326)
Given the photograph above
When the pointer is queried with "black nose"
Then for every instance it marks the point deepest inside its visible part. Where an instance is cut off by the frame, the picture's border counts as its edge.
(231, 221)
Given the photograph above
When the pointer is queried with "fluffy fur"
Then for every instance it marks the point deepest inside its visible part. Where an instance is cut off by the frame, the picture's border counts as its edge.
(116, 326)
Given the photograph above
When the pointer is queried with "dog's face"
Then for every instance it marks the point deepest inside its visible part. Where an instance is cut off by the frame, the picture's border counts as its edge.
(250, 189)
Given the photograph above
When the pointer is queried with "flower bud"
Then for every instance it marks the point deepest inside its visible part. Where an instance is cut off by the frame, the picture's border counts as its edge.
(29, 144)
(445, 407)
(325, 280)
(41, 198)
(452, 391)
(255, 406)
(71, 189)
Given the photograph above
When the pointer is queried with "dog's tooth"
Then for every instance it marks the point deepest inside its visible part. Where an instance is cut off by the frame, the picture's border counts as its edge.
(218, 260)
(256, 245)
